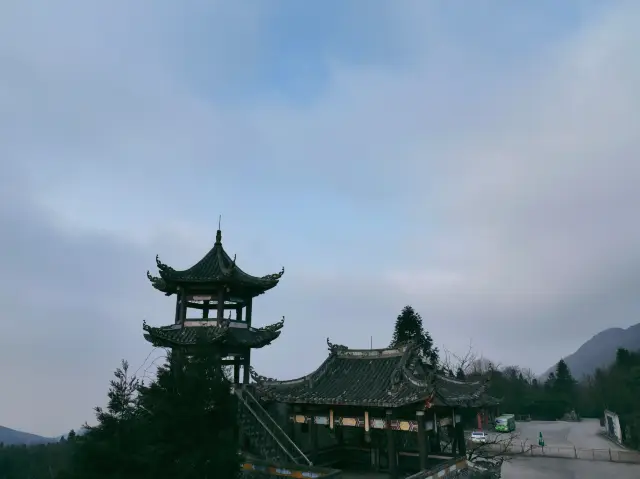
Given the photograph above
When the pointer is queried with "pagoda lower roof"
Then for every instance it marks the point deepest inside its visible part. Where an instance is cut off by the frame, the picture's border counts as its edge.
(373, 378)
(228, 334)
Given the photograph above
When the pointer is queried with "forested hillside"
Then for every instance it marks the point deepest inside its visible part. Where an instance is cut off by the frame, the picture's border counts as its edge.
(616, 388)
(600, 351)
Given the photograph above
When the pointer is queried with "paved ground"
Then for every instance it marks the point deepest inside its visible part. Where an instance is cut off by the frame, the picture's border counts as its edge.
(582, 435)
(553, 468)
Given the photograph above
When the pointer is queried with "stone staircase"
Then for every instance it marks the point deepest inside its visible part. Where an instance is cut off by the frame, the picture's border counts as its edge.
(262, 434)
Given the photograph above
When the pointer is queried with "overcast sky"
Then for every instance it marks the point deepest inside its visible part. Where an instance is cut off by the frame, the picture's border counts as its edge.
(478, 160)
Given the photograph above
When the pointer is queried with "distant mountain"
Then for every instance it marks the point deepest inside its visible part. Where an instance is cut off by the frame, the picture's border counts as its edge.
(13, 437)
(600, 351)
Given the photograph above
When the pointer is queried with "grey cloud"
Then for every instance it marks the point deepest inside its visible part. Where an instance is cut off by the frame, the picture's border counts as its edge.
(519, 205)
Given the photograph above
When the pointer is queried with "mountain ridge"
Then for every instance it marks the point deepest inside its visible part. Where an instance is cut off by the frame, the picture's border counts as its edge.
(600, 351)
(13, 437)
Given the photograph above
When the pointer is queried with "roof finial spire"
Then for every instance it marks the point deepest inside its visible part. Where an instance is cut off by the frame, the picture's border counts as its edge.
(219, 232)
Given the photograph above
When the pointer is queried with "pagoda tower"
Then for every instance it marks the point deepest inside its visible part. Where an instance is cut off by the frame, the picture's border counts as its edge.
(215, 287)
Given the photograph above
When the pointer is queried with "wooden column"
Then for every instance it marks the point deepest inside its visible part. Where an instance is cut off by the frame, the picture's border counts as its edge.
(339, 431)
(454, 437)
(246, 376)
(178, 300)
(249, 311)
(422, 440)
(239, 313)
(205, 309)
(247, 357)
(436, 434)
(183, 307)
(236, 370)
(391, 448)
(462, 445)
(313, 435)
(220, 304)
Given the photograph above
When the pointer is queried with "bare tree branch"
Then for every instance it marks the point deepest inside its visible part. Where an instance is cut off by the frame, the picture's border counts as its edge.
(454, 362)
(499, 448)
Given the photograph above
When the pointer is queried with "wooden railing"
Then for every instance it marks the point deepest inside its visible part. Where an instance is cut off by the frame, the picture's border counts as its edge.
(569, 452)
(275, 443)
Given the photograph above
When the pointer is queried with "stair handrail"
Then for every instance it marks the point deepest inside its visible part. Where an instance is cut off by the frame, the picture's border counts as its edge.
(253, 413)
(301, 454)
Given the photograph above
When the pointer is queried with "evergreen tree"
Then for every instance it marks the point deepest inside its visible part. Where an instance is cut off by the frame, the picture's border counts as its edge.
(409, 327)
(114, 447)
(564, 383)
(182, 425)
(190, 420)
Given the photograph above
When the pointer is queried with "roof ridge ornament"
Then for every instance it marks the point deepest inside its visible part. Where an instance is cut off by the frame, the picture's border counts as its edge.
(273, 327)
(336, 348)
(258, 378)
(271, 277)
(161, 266)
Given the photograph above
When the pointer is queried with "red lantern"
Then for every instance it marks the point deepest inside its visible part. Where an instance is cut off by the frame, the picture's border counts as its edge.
(428, 402)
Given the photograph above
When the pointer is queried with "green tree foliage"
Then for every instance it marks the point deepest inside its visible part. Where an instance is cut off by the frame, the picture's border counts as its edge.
(115, 447)
(43, 461)
(617, 389)
(190, 421)
(181, 425)
(409, 327)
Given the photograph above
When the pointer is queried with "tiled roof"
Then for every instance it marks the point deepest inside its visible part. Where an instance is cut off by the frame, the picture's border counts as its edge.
(224, 335)
(216, 267)
(455, 392)
(373, 378)
(378, 377)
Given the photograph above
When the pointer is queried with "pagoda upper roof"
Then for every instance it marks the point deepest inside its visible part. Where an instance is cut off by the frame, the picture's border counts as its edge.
(228, 334)
(390, 377)
(215, 269)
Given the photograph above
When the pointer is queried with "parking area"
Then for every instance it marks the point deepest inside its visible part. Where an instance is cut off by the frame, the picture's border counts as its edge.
(582, 435)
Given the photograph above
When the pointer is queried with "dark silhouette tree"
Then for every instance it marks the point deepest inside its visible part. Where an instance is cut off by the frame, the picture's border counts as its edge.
(409, 327)
(115, 446)
(182, 425)
(190, 420)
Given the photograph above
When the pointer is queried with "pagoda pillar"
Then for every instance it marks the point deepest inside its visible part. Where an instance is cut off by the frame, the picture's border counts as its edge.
(247, 357)
(246, 367)
(205, 310)
(391, 447)
(249, 311)
(183, 307)
(178, 301)
(220, 305)
(422, 440)
(236, 370)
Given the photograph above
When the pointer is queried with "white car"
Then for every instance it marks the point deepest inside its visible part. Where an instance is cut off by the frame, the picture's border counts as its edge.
(479, 437)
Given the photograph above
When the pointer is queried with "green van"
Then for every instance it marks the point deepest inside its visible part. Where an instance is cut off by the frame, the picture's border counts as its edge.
(506, 423)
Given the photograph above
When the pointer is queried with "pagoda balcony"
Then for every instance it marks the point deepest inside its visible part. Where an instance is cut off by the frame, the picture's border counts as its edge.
(199, 323)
